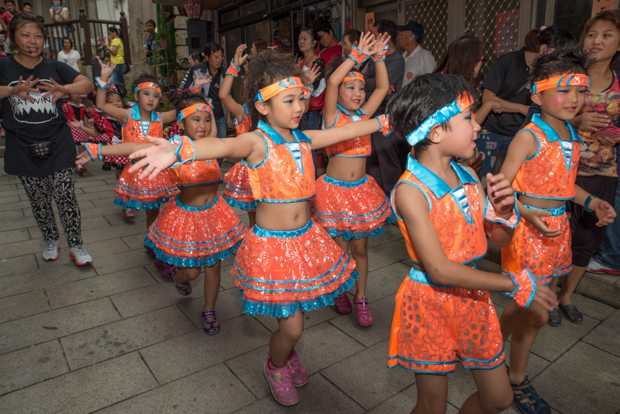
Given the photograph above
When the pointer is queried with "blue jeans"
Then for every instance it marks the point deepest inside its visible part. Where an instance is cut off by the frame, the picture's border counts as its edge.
(311, 120)
(119, 74)
(489, 144)
(608, 253)
(222, 128)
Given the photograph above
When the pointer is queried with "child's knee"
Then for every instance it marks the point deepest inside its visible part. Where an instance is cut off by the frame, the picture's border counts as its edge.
(191, 272)
(359, 250)
(536, 315)
(497, 402)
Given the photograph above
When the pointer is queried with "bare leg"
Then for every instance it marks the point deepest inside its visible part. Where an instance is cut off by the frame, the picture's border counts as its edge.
(510, 316)
(212, 284)
(284, 339)
(569, 284)
(151, 215)
(186, 274)
(494, 393)
(252, 216)
(432, 394)
(359, 252)
(344, 245)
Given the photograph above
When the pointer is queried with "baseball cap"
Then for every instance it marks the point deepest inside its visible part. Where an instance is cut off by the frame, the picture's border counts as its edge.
(413, 27)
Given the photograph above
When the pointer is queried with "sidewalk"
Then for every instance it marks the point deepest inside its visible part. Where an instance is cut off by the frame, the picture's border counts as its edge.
(116, 337)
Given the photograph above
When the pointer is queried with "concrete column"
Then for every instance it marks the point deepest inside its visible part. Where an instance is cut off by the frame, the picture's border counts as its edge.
(139, 11)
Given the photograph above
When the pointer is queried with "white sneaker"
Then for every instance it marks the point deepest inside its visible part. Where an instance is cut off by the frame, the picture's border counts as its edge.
(79, 255)
(596, 267)
(52, 248)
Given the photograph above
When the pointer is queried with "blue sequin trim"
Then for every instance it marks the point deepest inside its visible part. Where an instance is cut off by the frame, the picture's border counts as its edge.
(190, 208)
(139, 204)
(282, 234)
(243, 205)
(283, 310)
(349, 184)
(554, 211)
(143, 191)
(356, 235)
(193, 261)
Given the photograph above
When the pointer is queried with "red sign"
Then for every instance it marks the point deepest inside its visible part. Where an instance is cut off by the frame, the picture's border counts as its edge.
(193, 8)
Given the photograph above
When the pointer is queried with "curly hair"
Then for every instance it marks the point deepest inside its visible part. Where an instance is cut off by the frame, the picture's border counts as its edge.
(145, 77)
(420, 99)
(267, 68)
(568, 59)
(183, 98)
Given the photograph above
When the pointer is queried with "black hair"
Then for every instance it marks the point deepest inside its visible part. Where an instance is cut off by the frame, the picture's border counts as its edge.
(10, 1)
(354, 35)
(113, 30)
(387, 26)
(145, 77)
(267, 68)
(212, 47)
(322, 26)
(569, 59)
(555, 37)
(420, 99)
(40, 19)
(21, 19)
(310, 30)
(25, 4)
(66, 38)
(183, 98)
(199, 56)
(151, 21)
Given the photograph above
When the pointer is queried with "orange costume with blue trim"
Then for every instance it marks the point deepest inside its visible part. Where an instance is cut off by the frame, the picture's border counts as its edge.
(131, 191)
(550, 173)
(195, 236)
(280, 272)
(351, 209)
(435, 326)
(237, 189)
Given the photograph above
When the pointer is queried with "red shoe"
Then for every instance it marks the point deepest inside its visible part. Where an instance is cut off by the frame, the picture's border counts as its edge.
(343, 305)
(362, 312)
(596, 267)
(299, 376)
(279, 380)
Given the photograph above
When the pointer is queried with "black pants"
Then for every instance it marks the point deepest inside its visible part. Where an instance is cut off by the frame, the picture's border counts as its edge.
(60, 186)
(384, 164)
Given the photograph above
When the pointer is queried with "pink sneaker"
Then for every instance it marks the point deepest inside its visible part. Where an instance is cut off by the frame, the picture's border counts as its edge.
(362, 312)
(343, 305)
(299, 376)
(279, 380)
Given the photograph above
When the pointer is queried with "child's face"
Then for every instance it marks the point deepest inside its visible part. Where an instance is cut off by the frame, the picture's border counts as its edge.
(461, 136)
(563, 103)
(351, 95)
(602, 41)
(148, 99)
(75, 98)
(150, 27)
(285, 109)
(115, 100)
(29, 40)
(197, 125)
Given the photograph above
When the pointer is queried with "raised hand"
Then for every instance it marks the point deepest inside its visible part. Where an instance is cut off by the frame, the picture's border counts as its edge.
(380, 44)
(155, 159)
(240, 58)
(106, 70)
(55, 89)
(367, 40)
(501, 195)
(24, 87)
(312, 74)
(203, 80)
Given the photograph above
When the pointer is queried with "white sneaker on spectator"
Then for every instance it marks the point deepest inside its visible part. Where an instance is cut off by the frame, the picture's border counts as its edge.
(596, 267)
(52, 248)
(79, 255)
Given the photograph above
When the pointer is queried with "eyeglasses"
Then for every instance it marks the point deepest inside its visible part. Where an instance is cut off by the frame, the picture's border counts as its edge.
(219, 57)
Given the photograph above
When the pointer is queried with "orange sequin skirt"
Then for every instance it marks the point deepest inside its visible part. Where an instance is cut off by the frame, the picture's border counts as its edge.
(146, 194)
(281, 272)
(237, 189)
(195, 236)
(353, 210)
(436, 326)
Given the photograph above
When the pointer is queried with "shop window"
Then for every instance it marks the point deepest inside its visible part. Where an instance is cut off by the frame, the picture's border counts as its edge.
(260, 6)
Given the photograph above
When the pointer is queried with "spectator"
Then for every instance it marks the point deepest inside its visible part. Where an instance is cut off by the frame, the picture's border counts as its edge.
(6, 17)
(195, 58)
(59, 14)
(331, 46)
(418, 61)
(257, 46)
(69, 55)
(117, 55)
(351, 38)
(27, 8)
(506, 82)
(384, 163)
(307, 45)
(150, 44)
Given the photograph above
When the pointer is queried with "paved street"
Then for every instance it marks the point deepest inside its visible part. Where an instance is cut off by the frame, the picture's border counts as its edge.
(116, 337)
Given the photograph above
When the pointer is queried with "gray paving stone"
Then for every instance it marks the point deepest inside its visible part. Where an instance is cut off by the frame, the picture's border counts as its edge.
(30, 277)
(535, 364)
(227, 280)
(21, 306)
(112, 232)
(592, 308)
(124, 336)
(195, 351)
(13, 191)
(606, 336)
(383, 313)
(136, 241)
(386, 254)
(311, 318)
(385, 281)
(98, 188)
(319, 347)
(119, 219)
(352, 376)
(214, 390)
(104, 202)
(149, 298)
(13, 236)
(97, 287)
(584, 380)
(11, 215)
(17, 223)
(13, 203)
(95, 196)
(15, 265)
(96, 250)
(89, 183)
(55, 324)
(7, 187)
(404, 402)
(10, 199)
(87, 224)
(121, 261)
(227, 306)
(26, 247)
(31, 365)
(391, 233)
(552, 342)
(318, 396)
(83, 391)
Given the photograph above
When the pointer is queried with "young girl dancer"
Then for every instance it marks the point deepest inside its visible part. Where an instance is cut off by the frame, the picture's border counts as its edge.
(140, 121)
(349, 203)
(76, 113)
(287, 264)
(542, 160)
(444, 312)
(197, 228)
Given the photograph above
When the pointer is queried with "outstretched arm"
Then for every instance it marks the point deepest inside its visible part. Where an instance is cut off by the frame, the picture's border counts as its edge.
(229, 102)
(327, 137)
(100, 100)
(170, 116)
(118, 150)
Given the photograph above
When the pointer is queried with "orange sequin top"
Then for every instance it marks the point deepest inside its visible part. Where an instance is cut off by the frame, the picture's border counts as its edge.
(279, 178)
(245, 124)
(457, 214)
(356, 147)
(197, 173)
(551, 172)
(136, 130)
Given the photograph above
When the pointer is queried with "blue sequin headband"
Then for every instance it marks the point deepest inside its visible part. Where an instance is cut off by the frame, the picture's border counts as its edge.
(452, 109)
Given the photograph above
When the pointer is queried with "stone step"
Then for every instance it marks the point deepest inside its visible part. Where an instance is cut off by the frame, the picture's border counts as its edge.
(601, 287)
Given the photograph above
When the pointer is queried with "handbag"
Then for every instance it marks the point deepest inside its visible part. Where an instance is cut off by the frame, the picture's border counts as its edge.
(42, 149)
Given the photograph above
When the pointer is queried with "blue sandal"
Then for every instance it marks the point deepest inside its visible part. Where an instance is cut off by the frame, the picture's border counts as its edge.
(527, 400)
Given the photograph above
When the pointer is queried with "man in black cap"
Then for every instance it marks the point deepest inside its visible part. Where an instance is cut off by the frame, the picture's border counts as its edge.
(418, 61)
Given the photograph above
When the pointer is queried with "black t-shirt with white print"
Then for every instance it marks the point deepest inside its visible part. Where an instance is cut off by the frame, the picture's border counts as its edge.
(36, 120)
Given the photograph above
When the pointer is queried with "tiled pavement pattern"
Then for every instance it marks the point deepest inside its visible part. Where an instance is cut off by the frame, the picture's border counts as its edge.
(115, 337)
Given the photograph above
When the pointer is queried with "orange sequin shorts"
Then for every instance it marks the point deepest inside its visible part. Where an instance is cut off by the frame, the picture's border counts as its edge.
(146, 194)
(435, 326)
(545, 257)
(281, 272)
(353, 210)
(237, 189)
(195, 236)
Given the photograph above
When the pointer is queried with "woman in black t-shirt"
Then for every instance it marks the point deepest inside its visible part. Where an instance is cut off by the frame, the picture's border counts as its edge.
(39, 146)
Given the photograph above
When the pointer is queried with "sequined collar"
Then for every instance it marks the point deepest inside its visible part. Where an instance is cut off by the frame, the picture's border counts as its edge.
(434, 183)
(135, 114)
(359, 112)
(551, 134)
(276, 138)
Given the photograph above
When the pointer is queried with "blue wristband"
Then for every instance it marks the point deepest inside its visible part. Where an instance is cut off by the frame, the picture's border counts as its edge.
(586, 205)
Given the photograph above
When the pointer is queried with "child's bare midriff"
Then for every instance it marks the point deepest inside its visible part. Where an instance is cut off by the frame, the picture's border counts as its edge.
(541, 202)
(346, 168)
(282, 216)
(199, 195)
